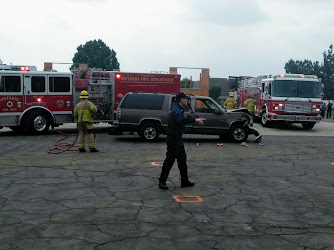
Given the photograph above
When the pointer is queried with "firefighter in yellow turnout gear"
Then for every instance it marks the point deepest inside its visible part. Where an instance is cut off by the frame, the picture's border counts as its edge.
(230, 102)
(250, 104)
(84, 113)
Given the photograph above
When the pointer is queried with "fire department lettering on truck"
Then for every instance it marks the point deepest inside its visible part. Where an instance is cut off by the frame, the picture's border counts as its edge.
(145, 79)
(7, 103)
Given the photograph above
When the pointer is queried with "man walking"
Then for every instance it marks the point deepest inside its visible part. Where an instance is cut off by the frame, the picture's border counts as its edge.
(84, 113)
(175, 147)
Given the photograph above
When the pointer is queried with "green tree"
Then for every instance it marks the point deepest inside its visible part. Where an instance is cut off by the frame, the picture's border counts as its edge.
(185, 82)
(97, 55)
(306, 67)
(214, 92)
(328, 75)
(233, 83)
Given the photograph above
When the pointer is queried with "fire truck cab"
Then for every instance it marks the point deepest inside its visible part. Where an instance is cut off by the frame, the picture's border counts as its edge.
(291, 98)
(32, 100)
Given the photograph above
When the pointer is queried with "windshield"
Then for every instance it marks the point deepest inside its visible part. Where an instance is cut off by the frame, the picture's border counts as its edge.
(295, 88)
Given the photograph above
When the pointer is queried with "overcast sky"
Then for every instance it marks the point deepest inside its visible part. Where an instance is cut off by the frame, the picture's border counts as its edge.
(230, 37)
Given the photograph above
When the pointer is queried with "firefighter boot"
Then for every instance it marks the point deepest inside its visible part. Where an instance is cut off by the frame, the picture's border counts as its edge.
(93, 150)
(82, 150)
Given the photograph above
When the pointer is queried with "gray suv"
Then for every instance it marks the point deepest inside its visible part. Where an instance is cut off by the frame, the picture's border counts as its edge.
(147, 114)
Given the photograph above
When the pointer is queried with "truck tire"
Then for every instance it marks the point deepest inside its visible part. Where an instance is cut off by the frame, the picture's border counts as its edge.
(308, 125)
(149, 132)
(238, 133)
(264, 119)
(37, 123)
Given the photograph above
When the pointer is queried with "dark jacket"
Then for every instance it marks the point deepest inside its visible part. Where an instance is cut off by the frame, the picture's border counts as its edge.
(329, 107)
(176, 123)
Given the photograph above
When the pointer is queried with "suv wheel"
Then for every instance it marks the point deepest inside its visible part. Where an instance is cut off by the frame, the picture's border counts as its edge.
(149, 132)
(238, 133)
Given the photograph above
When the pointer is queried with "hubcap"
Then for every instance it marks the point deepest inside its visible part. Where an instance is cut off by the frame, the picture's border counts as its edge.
(39, 123)
(264, 118)
(239, 134)
(150, 133)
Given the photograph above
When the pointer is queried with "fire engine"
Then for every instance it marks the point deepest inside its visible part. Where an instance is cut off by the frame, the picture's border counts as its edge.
(32, 101)
(291, 98)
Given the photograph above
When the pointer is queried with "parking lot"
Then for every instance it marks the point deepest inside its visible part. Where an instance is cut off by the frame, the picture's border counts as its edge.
(274, 195)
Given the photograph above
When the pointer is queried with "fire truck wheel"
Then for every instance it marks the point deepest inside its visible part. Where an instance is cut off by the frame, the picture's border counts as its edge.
(149, 132)
(264, 119)
(37, 123)
(238, 133)
(308, 125)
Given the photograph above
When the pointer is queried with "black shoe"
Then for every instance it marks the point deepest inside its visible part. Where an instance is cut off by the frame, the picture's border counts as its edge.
(82, 150)
(187, 184)
(163, 185)
(93, 150)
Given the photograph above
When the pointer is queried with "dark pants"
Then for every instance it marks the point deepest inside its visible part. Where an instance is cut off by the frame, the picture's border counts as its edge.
(175, 150)
(323, 113)
(329, 113)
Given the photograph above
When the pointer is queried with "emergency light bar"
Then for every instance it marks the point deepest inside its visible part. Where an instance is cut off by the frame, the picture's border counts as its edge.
(24, 68)
(296, 76)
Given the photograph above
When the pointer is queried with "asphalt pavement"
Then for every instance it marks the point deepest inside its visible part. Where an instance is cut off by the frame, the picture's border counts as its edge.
(275, 195)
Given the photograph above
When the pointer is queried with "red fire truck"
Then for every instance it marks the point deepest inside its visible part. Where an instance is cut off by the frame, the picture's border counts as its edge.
(291, 98)
(32, 101)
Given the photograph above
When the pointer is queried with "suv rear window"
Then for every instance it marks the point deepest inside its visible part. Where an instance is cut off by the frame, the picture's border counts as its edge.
(143, 101)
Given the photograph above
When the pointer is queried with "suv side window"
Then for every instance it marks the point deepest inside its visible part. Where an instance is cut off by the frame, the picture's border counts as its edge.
(143, 101)
(205, 106)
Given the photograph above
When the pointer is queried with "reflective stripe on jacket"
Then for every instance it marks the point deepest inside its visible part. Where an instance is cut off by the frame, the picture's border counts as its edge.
(250, 104)
(89, 111)
(230, 103)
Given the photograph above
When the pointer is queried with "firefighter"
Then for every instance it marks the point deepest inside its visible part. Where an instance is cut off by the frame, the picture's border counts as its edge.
(250, 104)
(230, 102)
(84, 113)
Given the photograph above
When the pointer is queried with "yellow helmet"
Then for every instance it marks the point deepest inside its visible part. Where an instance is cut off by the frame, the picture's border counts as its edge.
(231, 94)
(83, 94)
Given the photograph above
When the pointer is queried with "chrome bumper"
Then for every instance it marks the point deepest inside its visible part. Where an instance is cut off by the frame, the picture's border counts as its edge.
(295, 118)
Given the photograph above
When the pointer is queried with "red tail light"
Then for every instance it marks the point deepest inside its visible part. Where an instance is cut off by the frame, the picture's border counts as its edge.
(118, 76)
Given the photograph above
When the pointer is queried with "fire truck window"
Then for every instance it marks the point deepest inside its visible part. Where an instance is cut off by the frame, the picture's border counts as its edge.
(144, 101)
(10, 84)
(269, 89)
(59, 84)
(38, 84)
